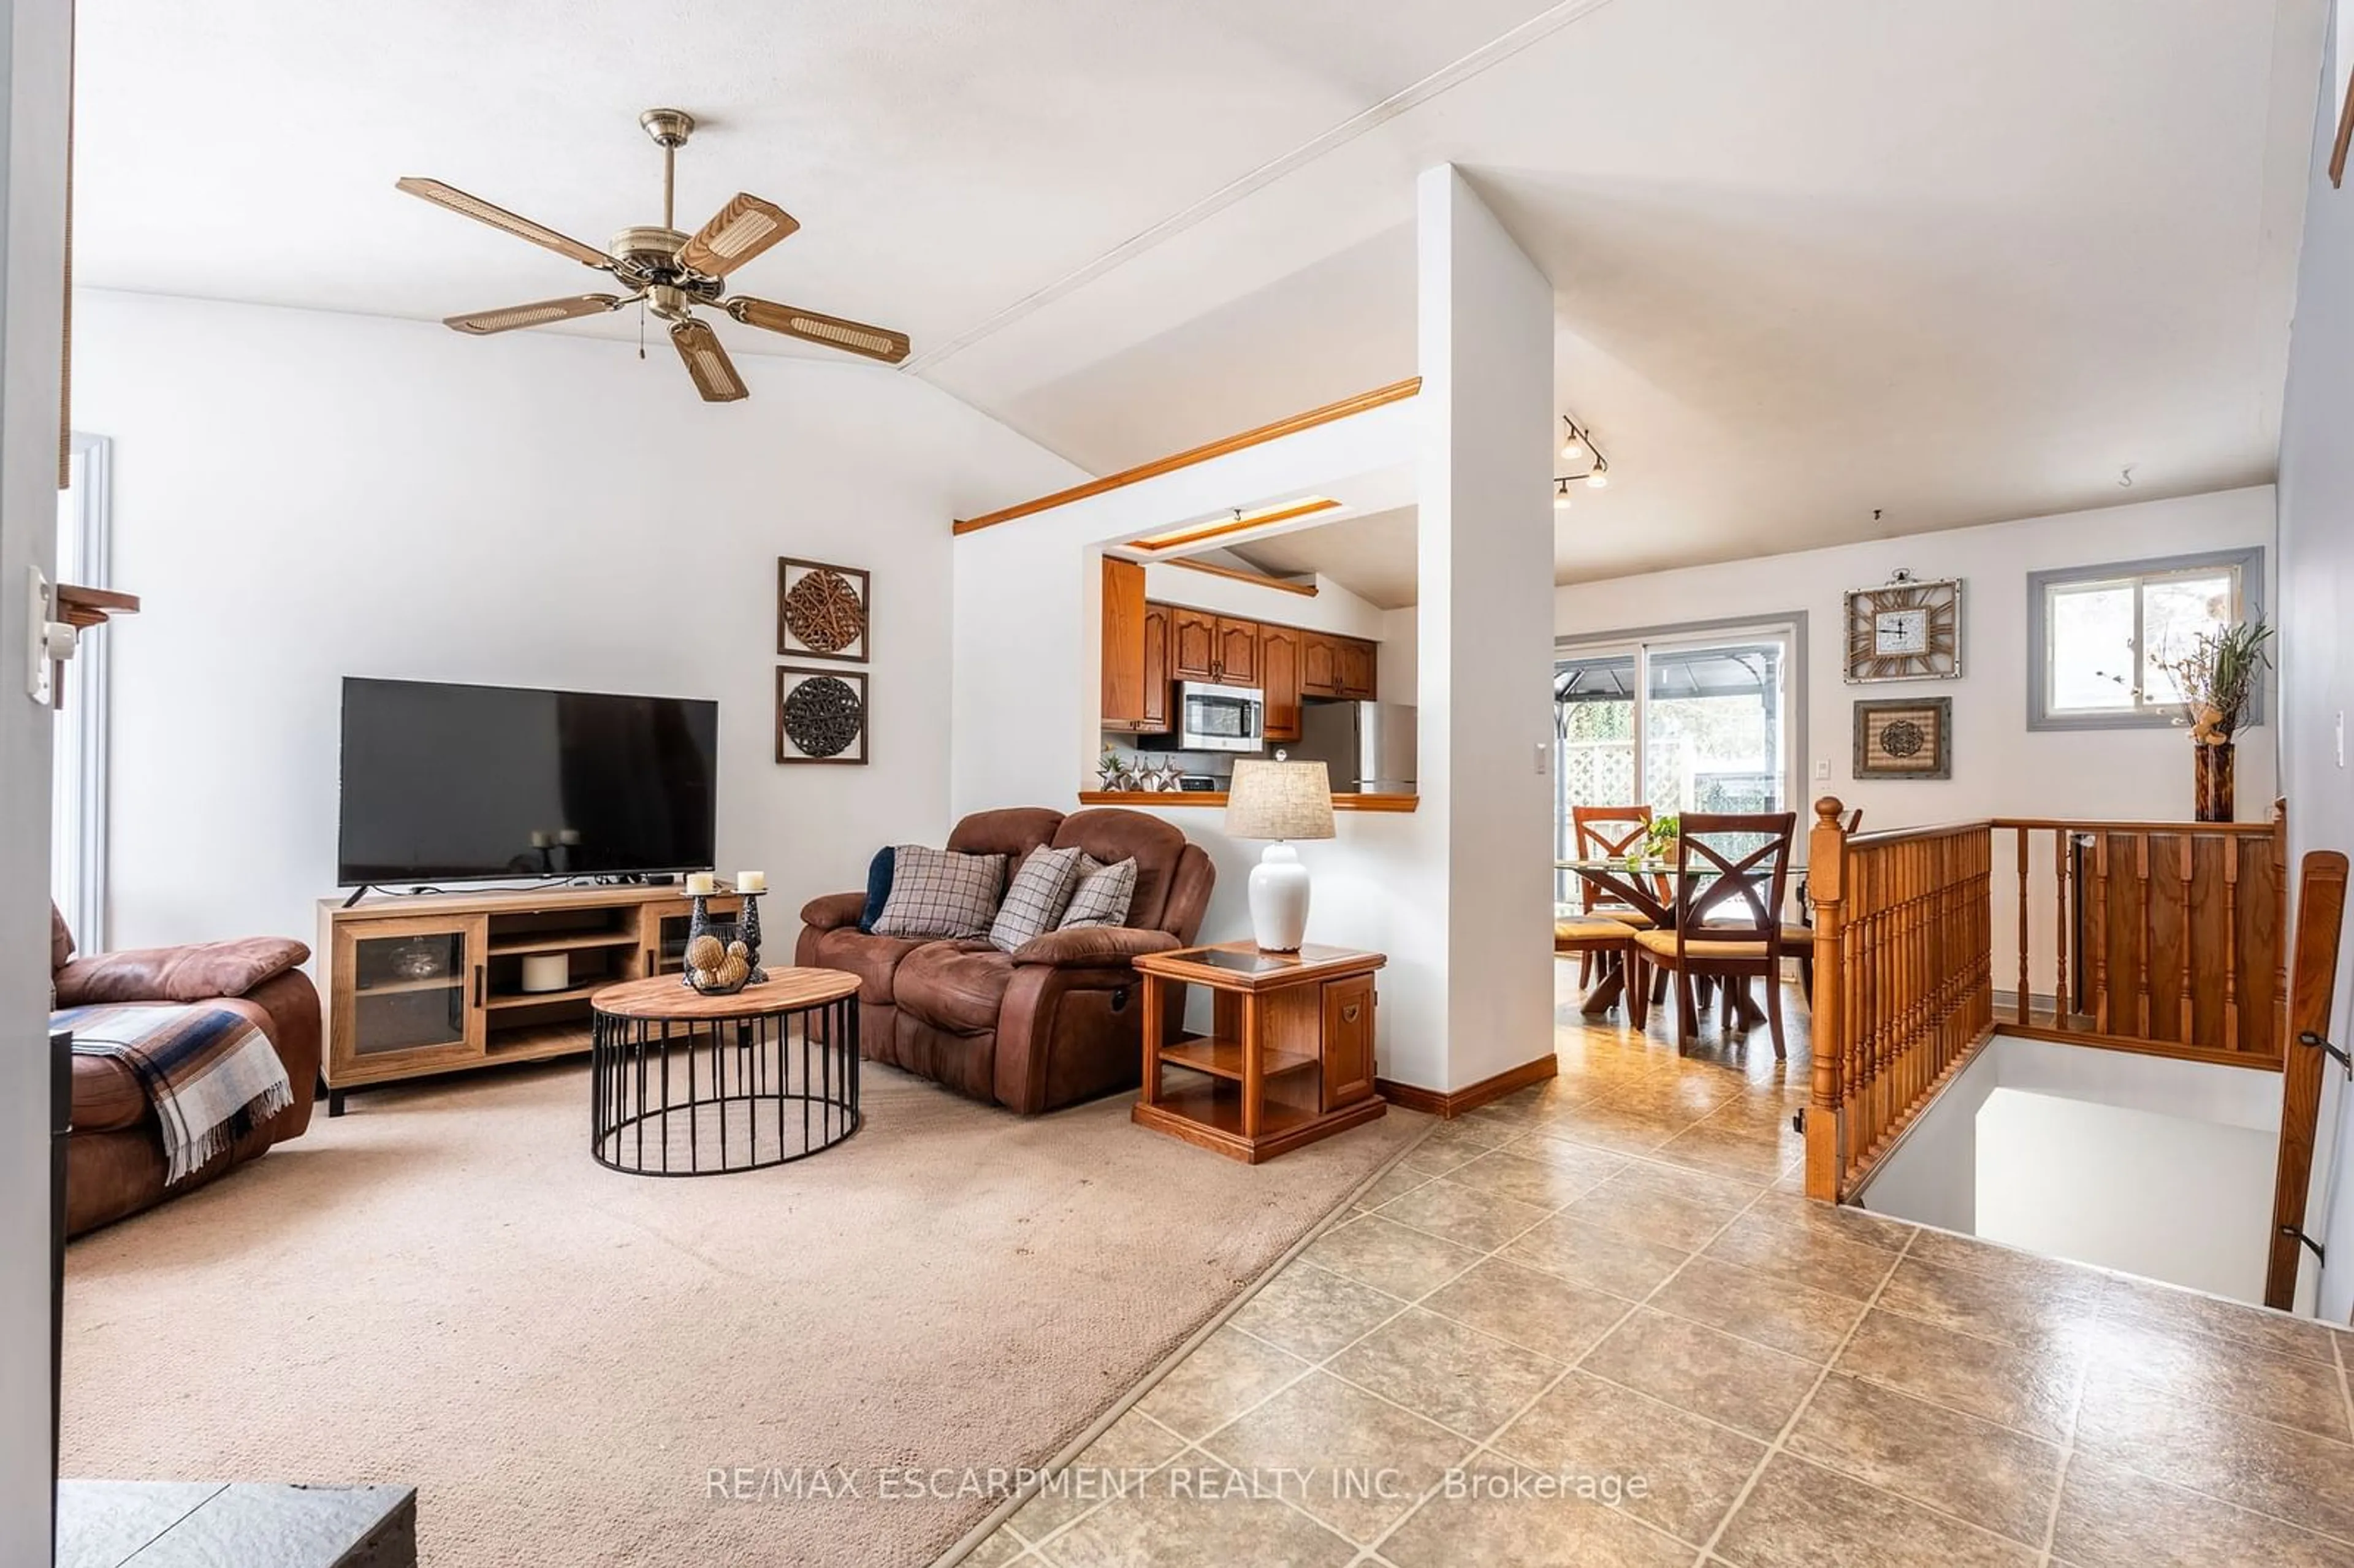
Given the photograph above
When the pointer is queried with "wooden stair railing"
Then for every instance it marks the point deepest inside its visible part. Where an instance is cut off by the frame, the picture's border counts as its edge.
(1903, 983)
(2320, 917)
(2165, 937)
(2170, 938)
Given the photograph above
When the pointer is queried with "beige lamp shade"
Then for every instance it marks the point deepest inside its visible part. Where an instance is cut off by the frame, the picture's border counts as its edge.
(1279, 800)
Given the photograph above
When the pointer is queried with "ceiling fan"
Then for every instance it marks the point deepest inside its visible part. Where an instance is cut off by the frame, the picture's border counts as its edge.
(671, 272)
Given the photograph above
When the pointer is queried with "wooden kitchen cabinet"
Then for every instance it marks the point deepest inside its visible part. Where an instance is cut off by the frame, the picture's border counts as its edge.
(1192, 646)
(1155, 670)
(1125, 646)
(1320, 665)
(1238, 652)
(1357, 676)
(1278, 679)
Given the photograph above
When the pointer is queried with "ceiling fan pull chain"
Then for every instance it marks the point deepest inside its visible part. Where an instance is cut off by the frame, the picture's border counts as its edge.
(642, 329)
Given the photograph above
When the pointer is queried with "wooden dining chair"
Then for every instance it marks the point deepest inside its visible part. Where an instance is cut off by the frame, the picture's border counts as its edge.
(1608, 833)
(1728, 910)
(1593, 939)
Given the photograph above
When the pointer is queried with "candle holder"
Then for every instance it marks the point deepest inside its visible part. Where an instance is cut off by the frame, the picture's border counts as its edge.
(717, 961)
(750, 935)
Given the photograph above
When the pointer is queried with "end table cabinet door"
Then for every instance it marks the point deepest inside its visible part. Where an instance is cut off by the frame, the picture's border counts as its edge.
(1348, 1039)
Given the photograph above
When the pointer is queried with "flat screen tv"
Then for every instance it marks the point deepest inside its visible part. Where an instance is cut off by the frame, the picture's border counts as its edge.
(452, 783)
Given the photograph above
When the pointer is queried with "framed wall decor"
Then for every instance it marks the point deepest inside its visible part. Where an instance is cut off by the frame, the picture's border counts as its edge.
(822, 715)
(1905, 630)
(1904, 738)
(824, 612)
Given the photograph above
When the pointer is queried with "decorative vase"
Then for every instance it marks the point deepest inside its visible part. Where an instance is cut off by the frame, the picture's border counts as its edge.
(2211, 783)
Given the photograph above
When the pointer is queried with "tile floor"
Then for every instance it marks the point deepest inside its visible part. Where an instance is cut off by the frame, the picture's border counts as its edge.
(1596, 1324)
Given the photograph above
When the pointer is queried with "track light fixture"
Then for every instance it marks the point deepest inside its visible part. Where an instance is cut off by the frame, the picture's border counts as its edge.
(1579, 443)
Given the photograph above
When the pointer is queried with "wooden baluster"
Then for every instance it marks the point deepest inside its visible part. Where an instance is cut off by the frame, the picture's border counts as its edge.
(2148, 960)
(2278, 1044)
(2101, 932)
(2059, 920)
(2230, 943)
(2188, 1032)
(2024, 1016)
(1826, 853)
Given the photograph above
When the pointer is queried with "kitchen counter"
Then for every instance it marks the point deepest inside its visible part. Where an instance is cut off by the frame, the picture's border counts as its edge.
(1154, 798)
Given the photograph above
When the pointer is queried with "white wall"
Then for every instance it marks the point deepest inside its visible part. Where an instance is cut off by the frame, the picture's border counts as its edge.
(2157, 1167)
(303, 496)
(2317, 498)
(1999, 766)
(33, 184)
(2164, 1197)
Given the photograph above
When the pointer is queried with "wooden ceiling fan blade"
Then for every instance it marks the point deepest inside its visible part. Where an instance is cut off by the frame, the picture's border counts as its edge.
(539, 312)
(499, 218)
(815, 327)
(737, 232)
(707, 362)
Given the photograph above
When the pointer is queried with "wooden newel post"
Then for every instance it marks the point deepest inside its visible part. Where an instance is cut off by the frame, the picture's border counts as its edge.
(1826, 884)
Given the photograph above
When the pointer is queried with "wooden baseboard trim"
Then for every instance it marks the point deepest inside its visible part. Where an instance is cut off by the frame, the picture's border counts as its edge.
(1447, 1105)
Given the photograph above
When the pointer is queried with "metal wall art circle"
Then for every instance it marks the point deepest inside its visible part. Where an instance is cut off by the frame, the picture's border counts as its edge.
(822, 715)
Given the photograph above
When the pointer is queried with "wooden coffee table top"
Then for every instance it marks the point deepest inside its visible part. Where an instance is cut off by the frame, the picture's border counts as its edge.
(667, 996)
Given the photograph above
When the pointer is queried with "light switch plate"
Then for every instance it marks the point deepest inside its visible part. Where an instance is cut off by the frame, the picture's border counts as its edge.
(1822, 767)
(1544, 751)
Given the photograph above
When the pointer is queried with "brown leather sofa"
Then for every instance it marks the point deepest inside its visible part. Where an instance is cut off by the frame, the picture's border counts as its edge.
(1054, 1024)
(115, 1158)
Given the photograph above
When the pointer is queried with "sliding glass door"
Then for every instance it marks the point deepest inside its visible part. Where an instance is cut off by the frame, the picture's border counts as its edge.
(1698, 722)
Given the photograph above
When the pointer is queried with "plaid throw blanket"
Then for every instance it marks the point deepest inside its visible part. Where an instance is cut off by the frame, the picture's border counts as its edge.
(209, 1071)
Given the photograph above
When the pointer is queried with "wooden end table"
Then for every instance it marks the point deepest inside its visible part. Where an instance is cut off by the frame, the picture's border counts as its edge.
(1290, 1059)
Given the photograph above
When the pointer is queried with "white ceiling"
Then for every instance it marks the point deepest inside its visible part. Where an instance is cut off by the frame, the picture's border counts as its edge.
(1811, 257)
(1374, 556)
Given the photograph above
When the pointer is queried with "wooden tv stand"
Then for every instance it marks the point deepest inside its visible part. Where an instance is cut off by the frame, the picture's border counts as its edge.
(423, 983)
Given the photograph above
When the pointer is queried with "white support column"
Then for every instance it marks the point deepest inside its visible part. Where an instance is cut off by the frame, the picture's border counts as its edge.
(32, 320)
(1486, 635)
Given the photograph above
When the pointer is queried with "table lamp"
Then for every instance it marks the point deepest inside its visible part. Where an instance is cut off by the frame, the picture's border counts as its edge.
(1279, 800)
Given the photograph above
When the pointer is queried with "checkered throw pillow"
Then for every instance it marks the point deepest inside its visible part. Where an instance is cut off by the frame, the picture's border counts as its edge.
(938, 894)
(1103, 895)
(1040, 892)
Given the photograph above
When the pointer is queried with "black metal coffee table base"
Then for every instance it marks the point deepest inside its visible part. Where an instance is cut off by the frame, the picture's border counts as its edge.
(684, 1085)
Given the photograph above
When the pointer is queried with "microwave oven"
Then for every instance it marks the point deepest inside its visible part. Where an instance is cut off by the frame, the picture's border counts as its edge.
(1220, 718)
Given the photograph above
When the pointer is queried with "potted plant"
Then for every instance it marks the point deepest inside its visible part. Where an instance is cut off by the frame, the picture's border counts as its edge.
(1659, 838)
(2218, 677)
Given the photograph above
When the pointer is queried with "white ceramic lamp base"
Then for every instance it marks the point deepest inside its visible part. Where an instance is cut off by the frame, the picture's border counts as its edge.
(1279, 899)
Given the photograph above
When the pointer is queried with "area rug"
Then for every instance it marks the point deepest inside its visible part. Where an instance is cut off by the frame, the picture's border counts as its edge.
(818, 1363)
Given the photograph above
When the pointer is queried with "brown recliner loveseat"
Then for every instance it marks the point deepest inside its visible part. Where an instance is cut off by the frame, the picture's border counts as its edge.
(1056, 1022)
(115, 1158)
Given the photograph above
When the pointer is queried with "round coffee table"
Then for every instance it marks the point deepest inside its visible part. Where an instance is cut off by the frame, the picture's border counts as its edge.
(686, 1084)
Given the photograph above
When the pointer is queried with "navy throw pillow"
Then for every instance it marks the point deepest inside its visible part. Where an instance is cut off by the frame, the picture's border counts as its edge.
(878, 889)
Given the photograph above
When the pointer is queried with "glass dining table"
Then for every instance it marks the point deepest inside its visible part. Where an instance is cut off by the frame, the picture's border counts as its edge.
(1647, 885)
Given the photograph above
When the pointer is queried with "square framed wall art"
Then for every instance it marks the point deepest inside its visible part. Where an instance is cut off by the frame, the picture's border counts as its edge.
(824, 612)
(1908, 737)
(821, 715)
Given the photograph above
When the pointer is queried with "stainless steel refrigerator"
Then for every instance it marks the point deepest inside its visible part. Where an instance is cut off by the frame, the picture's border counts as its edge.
(1367, 747)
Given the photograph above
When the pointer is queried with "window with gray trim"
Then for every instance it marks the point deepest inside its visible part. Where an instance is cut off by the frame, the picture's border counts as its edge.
(2099, 637)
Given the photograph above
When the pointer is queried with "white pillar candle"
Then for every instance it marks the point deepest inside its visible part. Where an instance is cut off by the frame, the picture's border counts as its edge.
(752, 882)
(701, 882)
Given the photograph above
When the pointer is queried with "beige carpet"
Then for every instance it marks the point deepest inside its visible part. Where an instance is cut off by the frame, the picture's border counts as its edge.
(441, 1288)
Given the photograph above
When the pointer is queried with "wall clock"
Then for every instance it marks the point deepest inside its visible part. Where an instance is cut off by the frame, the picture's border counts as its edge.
(1908, 630)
